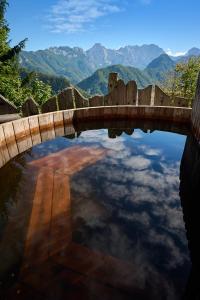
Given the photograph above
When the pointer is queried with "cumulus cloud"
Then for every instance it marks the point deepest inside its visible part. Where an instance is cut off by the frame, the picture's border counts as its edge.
(73, 15)
(137, 162)
(149, 151)
(176, 53)
(137, 135)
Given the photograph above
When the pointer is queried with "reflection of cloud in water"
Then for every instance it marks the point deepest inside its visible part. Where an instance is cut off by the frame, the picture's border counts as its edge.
(150, 151)
(137, 135)
(137, 162)
(138, 217)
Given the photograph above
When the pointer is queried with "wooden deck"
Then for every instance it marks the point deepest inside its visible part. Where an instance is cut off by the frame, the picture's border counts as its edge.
(54, 267)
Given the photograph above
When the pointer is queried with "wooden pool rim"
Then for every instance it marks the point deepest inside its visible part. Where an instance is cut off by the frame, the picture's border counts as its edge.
(20, 135)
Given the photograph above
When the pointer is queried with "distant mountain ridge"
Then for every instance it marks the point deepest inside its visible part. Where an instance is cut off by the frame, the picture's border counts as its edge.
(160, 67)
(149, 63)
(77, 64)
(155, 73)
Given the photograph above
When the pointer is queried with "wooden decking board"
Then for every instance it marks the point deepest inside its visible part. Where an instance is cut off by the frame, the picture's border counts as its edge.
(49, 244)
(39, 226)
(49, 230)
(70, 160)
(61, 230)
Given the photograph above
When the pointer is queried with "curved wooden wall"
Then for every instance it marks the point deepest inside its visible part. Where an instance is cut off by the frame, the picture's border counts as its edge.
(19, 135)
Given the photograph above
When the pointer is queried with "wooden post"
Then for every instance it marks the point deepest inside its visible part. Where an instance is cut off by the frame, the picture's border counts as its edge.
(112, 81)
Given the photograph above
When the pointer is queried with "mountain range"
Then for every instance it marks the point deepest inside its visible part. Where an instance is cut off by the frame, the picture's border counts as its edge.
(77, 64)
(89, 69)
(155, 72)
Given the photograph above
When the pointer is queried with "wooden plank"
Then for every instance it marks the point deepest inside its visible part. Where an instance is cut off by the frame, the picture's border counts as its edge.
(34, 130)
(50, 105)
(144, 96)
(118, 94)
(59, 123)
(112, 81)
(69, 130)
(96, 101)
(46, 123)
(161, 99)
(68, 122)
(4, 154)
(9, 118)
(61, 230)
(131, 93)
(30, 108)
(80, 101)
(10, 139)
(70, 160)
(181, 102)
(7, 107)
(22, 134)
(68, 116)
(37, 239)
(66, 99)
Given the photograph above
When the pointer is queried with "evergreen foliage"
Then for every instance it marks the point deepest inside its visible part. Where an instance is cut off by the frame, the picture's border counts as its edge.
(12, 86)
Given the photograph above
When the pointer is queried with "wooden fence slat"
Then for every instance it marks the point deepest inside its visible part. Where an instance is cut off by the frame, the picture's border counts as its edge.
(10, 139)
(50, 105)
(22, 134)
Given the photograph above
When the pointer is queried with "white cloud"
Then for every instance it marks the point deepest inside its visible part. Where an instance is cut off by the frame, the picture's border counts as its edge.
(175, 54)
(137, 135)
(137, 162)
(73, 15)
(150, 151)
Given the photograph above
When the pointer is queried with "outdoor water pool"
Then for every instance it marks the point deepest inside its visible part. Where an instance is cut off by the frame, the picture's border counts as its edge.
(98, 215)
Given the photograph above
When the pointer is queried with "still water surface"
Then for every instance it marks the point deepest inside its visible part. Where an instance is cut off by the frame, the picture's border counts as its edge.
(95, 217)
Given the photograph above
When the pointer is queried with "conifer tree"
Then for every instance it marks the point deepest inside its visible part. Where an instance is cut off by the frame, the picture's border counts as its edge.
(11, 85)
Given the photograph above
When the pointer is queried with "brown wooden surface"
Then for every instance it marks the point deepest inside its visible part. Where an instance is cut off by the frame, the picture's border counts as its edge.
(97, 100)
(66, 99)
(144, 95)
(30, 108)
(10, 139)
(131, 93)
(50, 105)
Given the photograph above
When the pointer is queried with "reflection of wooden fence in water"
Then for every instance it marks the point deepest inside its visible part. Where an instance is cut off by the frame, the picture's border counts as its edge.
(119, 94)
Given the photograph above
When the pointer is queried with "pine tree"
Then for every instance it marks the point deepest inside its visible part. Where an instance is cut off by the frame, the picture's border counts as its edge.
(11, 85)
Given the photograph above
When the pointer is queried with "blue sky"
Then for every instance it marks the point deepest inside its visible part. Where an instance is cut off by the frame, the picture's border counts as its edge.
(171, 24)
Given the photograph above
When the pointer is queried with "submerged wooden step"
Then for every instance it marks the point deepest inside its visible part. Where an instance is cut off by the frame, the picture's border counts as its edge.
(49, 231)
(70, 160)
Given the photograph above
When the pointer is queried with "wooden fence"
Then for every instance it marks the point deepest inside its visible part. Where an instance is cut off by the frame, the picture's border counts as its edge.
(119, 94)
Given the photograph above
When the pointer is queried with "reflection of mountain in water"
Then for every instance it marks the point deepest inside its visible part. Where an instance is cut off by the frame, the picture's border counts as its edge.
(190, 197)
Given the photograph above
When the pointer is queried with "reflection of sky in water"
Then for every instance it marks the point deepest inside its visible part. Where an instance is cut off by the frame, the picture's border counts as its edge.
(129, 207)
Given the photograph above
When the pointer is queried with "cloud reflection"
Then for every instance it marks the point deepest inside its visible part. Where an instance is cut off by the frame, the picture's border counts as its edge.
(138, 216)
